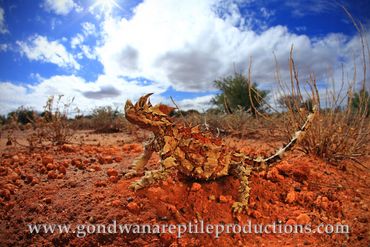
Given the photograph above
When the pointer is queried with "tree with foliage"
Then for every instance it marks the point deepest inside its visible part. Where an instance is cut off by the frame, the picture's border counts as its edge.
(237, 91)
(22, 115)
(361, 102)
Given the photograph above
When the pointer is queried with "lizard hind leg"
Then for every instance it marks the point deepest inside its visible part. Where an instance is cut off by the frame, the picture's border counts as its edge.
(243, 173)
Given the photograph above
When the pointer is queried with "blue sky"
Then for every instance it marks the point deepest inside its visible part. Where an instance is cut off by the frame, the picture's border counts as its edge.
(104, 52)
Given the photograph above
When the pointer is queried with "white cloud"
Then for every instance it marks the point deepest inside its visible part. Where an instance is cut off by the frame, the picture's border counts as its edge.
(61, 7)
(3, 28)
(38, 48)
(201, 103)
(88, 95)
(183, 44)
(189, 44)
(88, 28)
(4, 47)
(88, 52)
(77, 40)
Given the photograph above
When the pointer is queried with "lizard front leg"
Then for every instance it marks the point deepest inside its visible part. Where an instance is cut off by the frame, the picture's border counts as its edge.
(149, 178)
(141, 161)
(154, 176)
(243, 172)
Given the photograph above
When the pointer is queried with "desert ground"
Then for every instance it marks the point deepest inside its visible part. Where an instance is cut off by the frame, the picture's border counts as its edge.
(82, 183)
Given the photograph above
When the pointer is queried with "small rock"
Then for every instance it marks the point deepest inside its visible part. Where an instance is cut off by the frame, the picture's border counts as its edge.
(52, 175)
(62, 169)
(15, 158)
(50, 166)
(196, 187)
(133, 207)
(34, 181)
(303, 219)
(112, 172)
(116, 203)
(47, 159)
(225, 199)
(291, 197)
(129, 199)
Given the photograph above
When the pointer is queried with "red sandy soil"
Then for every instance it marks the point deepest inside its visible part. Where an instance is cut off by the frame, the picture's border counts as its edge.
(82, 183)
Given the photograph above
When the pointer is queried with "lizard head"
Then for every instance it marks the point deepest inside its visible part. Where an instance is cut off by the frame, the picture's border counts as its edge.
(146, 116)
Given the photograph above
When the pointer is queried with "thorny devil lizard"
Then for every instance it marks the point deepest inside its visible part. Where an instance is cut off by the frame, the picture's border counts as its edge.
(193, 152)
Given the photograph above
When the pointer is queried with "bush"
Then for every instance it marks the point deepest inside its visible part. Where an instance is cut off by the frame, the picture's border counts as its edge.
(341, 130)
(106, 120)
(52, 125)
(49, 128)
(238, 92)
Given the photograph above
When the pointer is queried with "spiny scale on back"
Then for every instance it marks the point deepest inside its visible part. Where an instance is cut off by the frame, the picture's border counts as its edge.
(193, 152)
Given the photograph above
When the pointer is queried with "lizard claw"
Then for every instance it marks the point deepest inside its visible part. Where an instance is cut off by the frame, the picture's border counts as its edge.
(135, 186)
(130, 174)
(238, 207)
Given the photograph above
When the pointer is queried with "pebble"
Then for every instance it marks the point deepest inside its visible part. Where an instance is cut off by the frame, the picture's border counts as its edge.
(47, 159)
(133, 207)
(112, 172)
(223, 198)
(196, 187)
(303, 219)
(291, 197)
(116, 203)
(52, 175)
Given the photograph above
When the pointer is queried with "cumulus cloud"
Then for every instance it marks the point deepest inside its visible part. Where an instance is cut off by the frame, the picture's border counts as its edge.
(3, 28)
(181, 44)
(61, 7)
(104, 91)
(39, 48)
(4, 47)
(79, 39)
(189, 44)
(88, 28)
(201, 103)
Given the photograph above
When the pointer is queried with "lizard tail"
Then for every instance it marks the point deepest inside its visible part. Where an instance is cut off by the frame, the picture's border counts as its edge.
(297, 136)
